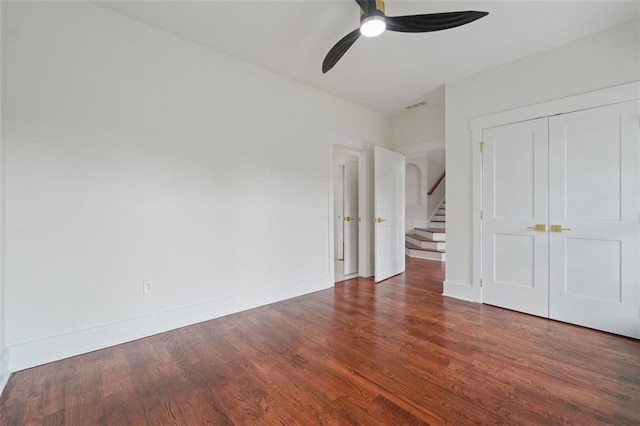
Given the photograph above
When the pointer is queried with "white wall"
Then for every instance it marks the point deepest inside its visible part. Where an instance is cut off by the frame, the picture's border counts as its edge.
(430, 163)
(134, 155)
(416, 211)
(413, 184)
(421, 124)
(435, 167)
(3, 372)
(417, 133)
(604, 59)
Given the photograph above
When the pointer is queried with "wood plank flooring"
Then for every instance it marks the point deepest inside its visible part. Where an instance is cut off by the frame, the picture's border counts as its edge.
(392, 353)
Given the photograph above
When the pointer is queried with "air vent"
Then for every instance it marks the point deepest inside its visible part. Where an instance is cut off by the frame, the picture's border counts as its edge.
(418, 105)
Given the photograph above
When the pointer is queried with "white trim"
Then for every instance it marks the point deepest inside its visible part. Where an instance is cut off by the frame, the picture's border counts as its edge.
(458, 290)
(420, 147)
(54, 348)
(476, 226)
(345, 141)
(365, 268)
(606, 96)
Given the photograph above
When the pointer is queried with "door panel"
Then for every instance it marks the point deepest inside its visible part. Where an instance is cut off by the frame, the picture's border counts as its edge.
(520, 271)
(389, 182)
(593, 269)
(513, 166)
(351, 215)
(594, 196)
(515, 198)
(592, 167)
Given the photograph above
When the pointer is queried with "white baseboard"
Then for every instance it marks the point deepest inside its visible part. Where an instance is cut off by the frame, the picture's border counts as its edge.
(367, 272)
(55, 348)
(4, 370)
(458, 290)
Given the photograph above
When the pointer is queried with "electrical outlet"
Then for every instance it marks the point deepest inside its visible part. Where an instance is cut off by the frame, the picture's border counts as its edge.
(147, 287)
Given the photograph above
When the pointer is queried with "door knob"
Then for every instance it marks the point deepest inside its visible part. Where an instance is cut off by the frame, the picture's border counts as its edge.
(378, 219)
(347, 218)
(540, 227)
(559, 228)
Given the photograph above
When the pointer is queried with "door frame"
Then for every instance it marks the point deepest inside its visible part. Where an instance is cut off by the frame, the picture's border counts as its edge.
(364, 210)
(338, 182)
(607, 96)
(349, 191)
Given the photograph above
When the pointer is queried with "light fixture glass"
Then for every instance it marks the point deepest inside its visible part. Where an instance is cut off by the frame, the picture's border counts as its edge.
(373, 26)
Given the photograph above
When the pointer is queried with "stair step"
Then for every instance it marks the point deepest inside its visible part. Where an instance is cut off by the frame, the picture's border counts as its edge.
(412, 250)
(439, 216)
(422, 238)
(424, 242)
(436, 234)
(437, 219)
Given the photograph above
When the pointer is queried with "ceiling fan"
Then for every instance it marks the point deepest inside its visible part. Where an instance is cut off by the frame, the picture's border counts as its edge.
(373, 22)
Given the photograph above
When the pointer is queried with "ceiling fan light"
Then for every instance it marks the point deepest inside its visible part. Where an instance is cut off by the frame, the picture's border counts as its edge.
(373, 26)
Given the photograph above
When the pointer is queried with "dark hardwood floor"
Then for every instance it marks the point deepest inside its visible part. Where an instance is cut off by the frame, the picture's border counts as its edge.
(392, 353)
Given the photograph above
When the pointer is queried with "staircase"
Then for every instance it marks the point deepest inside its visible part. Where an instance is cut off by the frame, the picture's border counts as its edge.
(429, 243)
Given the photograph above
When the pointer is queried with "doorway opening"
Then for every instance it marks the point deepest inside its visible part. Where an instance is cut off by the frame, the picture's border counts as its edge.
(346, 214)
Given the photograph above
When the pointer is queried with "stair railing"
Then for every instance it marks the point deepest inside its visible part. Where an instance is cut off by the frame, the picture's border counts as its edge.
(435, 185)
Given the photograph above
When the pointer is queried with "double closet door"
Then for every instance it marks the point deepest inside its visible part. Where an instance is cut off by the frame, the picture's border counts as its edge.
(561, 217)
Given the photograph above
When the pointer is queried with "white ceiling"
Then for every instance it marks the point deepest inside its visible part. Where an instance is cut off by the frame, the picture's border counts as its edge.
(385, 73)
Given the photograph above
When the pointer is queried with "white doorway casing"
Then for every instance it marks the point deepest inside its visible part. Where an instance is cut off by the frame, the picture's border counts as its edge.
(352, 219)
(338, 210)
(365, 203)
(571, 178)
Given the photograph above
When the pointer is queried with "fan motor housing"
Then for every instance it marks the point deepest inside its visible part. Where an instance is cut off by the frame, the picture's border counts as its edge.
(375, 8)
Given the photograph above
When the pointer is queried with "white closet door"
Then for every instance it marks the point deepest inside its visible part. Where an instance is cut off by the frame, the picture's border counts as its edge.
(515, 199)
(594, 159)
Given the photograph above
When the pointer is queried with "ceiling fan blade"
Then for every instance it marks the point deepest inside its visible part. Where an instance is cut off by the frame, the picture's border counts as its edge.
(339, 50)
(432, 21)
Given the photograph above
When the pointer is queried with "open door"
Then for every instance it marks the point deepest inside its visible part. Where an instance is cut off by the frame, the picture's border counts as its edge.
(389, 182)
(351, 215)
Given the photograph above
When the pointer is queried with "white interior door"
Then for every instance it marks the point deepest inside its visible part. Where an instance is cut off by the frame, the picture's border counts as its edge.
(514, 201)
(389, 182)
(338, 211)
(351, 215)
(595, 192)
